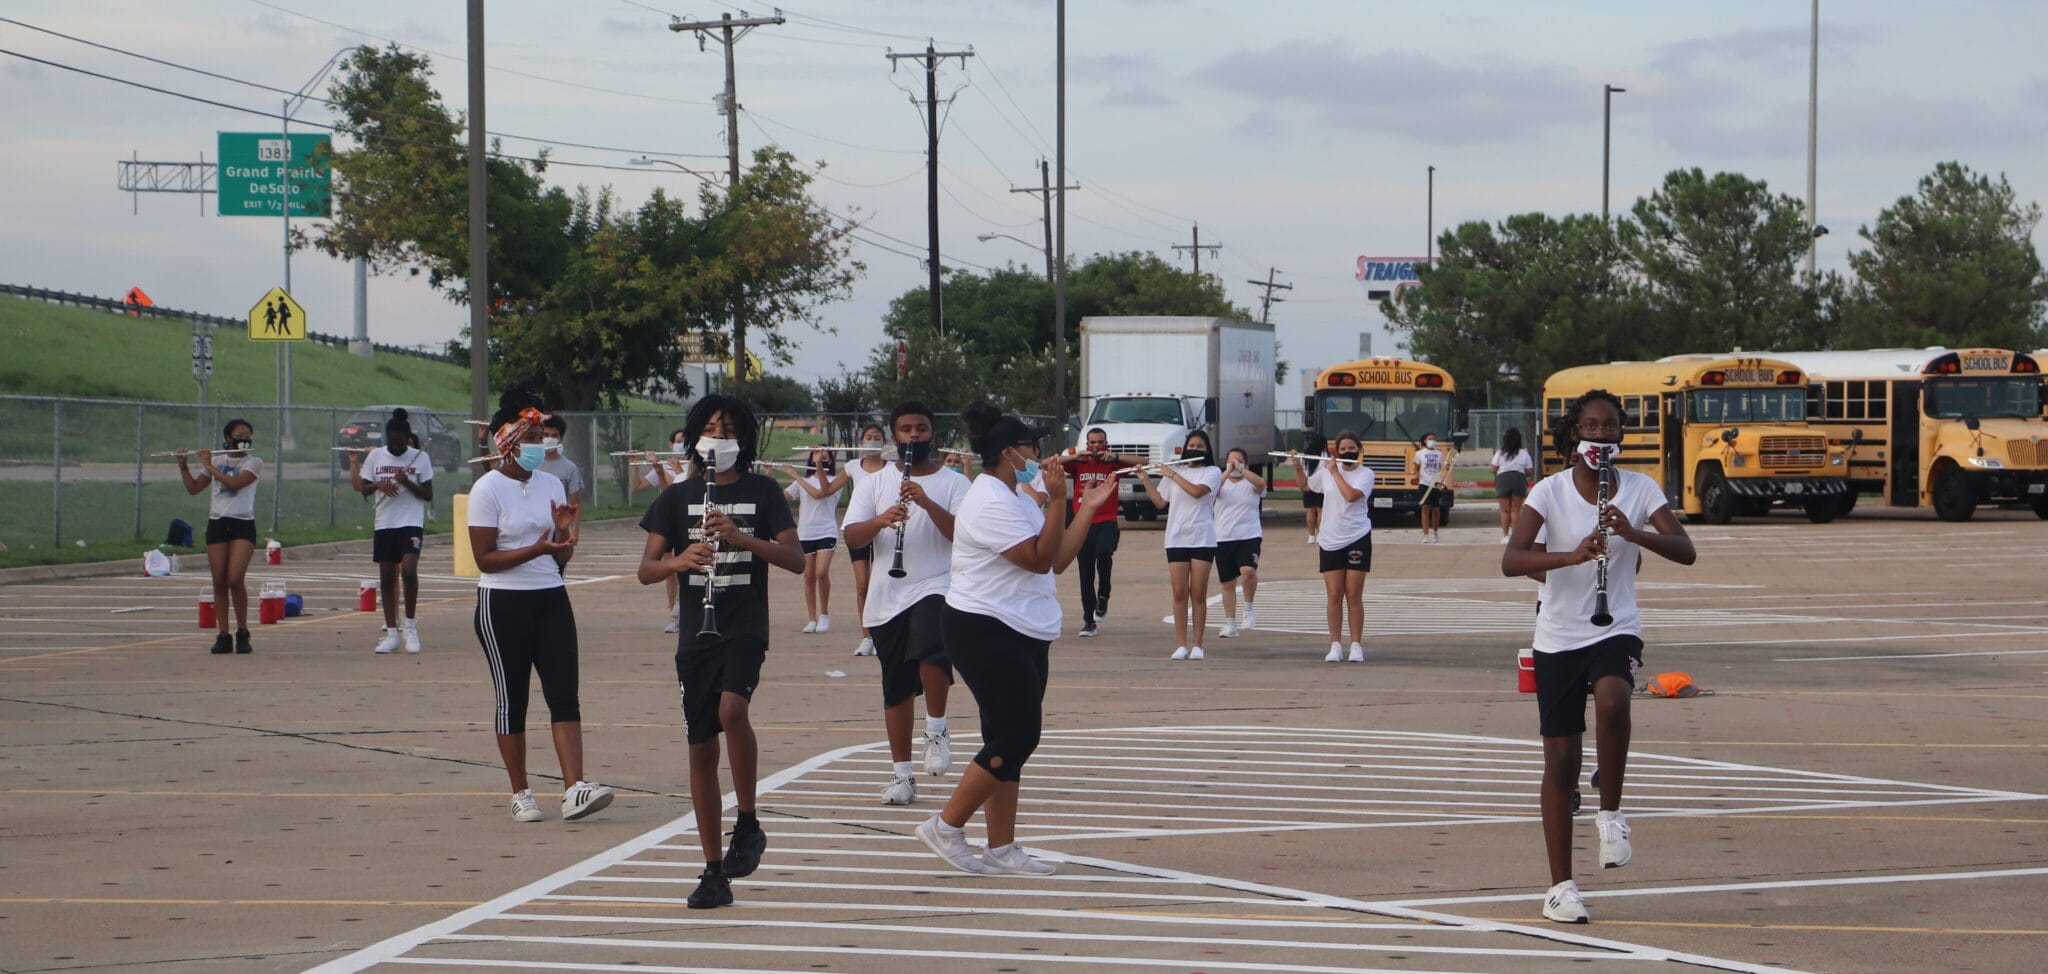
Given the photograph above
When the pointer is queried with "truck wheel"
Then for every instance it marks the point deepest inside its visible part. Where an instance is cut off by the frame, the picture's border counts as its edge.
(1846, 504)
(1823, 510)
(1717, 502)
(1953, 498)
(2041, 507)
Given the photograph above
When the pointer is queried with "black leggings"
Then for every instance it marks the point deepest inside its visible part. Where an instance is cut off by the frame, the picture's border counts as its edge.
(1006, 671)
(524, 631)
(1098, 556)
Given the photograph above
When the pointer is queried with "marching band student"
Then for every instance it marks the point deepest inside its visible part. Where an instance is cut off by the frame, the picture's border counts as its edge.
(816, 492)
(1512, 466)
(1574, 656)
(230, 525)
(746, 528)
(1095, 466)
(1312, 501)
(523, 533)
(1189, 495)
(863, 466)
(1002, 613)
(662, 473)
(1345, 540)
(554, 430)
(1429, 475)
(402, 482)
(912, 514)
(1239, 535)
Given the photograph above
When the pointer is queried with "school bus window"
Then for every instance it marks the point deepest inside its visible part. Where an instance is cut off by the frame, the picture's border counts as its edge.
(1988, 398)
(1781, 405)
(1642, 413)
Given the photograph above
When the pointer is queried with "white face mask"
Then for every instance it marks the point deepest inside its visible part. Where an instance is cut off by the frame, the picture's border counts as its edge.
(1429, 443)
(551, 444)
(1594, 452)
(721, 454)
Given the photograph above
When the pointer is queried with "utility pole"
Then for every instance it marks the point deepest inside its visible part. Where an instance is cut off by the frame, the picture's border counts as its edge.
(1266, 303)
(479, 231)
(1059, 192)
(1429, 231)
(1812, 139)
(931, 59)
(1606, 142)
(1197, 247)
(1045, 191)
(730, 29)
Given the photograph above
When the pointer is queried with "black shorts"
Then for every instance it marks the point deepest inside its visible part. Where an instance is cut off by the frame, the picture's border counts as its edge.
(822, 544)
(1354, 557)
(1234, 558)
(1511, 483)
(1440, 497)
(1311, 498)
(705, 671)
(1564, 679)
(865, 552)
(221, 530)
(393, 544)
(1175, 556)
(905, 643)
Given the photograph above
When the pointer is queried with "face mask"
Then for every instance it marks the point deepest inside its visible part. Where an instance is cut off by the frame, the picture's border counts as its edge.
(1429, 443)
(1197, 457)
(1596, 452)
(723, 455)
(395, 449)
(240, 444)
(1347, 454)
(916, 453)
(551, 444)
(1028, 472)
(531, 456)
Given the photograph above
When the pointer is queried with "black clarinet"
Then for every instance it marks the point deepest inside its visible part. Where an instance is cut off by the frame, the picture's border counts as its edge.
(1605, 471)
(709, 627)
(902, 467)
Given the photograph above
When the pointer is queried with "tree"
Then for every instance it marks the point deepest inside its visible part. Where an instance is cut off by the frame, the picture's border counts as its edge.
(777, 395)
(1718, 260)
(1953, 264)
(1510, 304)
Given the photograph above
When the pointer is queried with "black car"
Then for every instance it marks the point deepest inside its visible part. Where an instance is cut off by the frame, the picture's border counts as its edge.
(365, 428)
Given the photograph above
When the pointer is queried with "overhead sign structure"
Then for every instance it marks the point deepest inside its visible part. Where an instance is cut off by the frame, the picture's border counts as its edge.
(255, 167)
(277, 318)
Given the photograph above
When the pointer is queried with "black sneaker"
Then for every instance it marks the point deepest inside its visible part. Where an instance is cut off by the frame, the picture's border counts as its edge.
(1102, 608)
(1088, 629)
(242, 641)
(223, 644)
(714, 889)
(744, 855)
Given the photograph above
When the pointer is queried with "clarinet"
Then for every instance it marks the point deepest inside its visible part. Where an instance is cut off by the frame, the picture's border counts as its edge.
(710, 608)
(1605, 471)
(896, 565)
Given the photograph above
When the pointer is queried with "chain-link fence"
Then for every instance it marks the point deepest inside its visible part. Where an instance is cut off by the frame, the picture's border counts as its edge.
(1487, 425)
(76, 470)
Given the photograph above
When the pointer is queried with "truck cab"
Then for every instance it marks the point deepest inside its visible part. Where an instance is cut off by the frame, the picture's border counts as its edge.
(1152, 425)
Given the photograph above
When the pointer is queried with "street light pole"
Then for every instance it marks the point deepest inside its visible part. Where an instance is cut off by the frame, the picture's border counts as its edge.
(1606, 144)
(1045, 250)
(1429, 234)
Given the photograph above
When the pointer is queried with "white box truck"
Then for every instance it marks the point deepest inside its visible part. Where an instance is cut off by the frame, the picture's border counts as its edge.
(1149, 381)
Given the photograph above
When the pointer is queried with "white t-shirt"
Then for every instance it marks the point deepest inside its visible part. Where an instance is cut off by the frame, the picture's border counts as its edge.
(927, 554)
(1191, 521)
(566, 471)
(400, 510)
(677, 471)
(1522, 461)
(521, 512)
(1567, 593)
(990, 520)
(1429, 465)
(1237, 510)
(1343, 521)
(237, 504)
(817, 518)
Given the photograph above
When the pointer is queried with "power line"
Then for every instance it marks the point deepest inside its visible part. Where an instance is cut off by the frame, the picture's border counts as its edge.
(826, 138)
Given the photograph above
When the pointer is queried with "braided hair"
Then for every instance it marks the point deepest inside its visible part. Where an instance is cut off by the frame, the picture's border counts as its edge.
(1564, 431)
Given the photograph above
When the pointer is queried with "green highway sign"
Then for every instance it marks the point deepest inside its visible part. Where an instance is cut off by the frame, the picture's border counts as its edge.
(253, 168)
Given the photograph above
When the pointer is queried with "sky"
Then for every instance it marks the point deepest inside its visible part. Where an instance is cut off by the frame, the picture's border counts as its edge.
(1298, 136)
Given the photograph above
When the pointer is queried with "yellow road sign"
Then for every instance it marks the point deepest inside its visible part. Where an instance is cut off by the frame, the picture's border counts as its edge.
(277, 318)
(754, 370)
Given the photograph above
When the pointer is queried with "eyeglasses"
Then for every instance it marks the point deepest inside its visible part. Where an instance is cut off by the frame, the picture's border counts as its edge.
(1592, 429)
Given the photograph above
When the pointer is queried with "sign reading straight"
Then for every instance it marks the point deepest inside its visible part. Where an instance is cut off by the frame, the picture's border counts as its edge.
(255, 165)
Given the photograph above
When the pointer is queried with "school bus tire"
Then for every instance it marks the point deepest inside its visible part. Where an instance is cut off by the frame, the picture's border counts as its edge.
(1821, 510)
(2041, 507)
(1954, 499)
(1717, 502)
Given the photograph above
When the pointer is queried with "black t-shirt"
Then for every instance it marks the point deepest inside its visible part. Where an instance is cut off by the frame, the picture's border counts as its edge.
(757, 506)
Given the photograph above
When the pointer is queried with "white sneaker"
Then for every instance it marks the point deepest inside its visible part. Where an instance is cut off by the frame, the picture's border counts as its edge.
(389, 644)
(584, 798)
(949, 844)
(938, 752)
(411, 634)
(1229, 629)
(1011, 860)
(1615, 850)
(811, 626)
(1503, 539)
(1336, 653)
(1179, 652)
(1357, 653)
(1166, 619)
(866, 647)
(1563, 904)
(524, 808)
(824, 623)
(1250, 619)
(675, 618)
(901, 790)
(1194, 652)
(1311, 539)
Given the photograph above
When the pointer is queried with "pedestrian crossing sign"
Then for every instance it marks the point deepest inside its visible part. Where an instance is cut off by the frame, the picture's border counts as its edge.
(277, 318)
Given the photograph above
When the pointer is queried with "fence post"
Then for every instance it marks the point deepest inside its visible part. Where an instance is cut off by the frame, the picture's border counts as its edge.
(140, 413)
(277, 480)
(333, 462)
(57, 480)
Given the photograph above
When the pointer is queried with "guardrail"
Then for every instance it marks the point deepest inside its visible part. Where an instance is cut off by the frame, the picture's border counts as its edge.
(49, 296)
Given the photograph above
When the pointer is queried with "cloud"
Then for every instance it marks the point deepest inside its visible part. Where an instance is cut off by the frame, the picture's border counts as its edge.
(1136, 95)
(1863, 121)
(1110, 66)
(1405, 92)
(1759, 49)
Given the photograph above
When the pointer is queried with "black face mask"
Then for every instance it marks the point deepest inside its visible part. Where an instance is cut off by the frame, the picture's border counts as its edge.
(916, 453)
(1347, 454)
(242, 445)
(1196, 457)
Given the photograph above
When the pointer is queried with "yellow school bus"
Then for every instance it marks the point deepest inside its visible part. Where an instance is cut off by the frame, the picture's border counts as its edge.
(1935, 427)
(1722, 435)
(1390, 404)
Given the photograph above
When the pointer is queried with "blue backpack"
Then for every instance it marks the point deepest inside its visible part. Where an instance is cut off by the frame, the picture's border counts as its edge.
(180, 535)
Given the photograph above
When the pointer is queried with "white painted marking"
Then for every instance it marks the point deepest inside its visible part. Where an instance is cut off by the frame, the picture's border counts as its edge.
(1744, 887)
(1840, 659)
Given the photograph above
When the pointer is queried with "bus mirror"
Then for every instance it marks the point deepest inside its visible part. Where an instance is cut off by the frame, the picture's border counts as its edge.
(1728, 435)
(1209, 410)
(1856, 436)
(1308, 412)
(1971, 423)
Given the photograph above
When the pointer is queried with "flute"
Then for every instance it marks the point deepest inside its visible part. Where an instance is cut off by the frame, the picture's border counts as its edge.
(1605, 471)
(1160, 465)
(194, 453)
(1305, 457)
